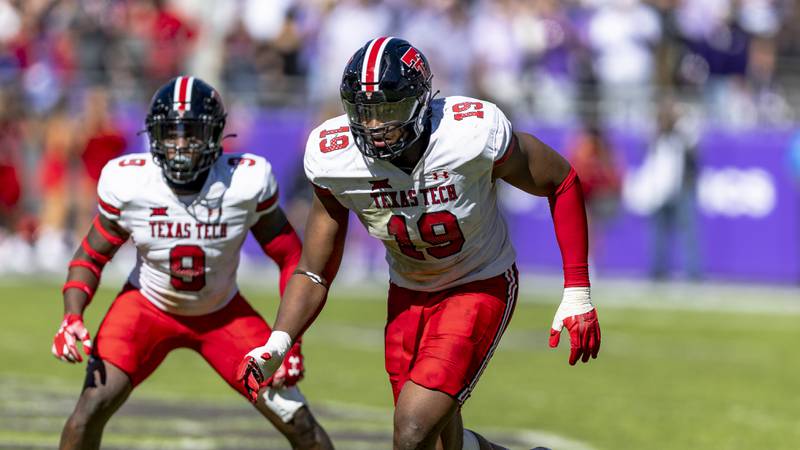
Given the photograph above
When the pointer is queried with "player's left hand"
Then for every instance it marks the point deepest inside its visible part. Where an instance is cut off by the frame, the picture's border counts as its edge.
(577, 313)
(291, 371)
(65, 342)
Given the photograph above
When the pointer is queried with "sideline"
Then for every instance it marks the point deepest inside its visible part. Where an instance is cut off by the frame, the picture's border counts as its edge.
(711, 296)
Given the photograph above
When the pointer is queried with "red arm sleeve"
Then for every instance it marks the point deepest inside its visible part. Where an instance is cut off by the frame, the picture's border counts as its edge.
(285, 249)
(569, 219)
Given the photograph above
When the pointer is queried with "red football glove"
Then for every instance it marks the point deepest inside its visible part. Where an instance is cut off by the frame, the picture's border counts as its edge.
(250, 375)
(577, 313)
(291, 371)
(584, 336)
(65, 345)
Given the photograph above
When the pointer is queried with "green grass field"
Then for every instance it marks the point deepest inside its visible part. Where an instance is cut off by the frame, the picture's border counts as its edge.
(667, 378)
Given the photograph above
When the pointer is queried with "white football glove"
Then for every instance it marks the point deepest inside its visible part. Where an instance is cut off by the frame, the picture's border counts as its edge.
(65, 341)
(260, 363)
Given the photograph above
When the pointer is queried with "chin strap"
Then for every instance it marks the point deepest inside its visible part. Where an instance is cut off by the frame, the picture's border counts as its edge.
(193, 186)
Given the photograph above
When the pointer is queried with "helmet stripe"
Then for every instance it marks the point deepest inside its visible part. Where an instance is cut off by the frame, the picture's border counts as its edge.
(176, 93)
(188, 101)
(371, 68)
(182, 94)
(365, 64)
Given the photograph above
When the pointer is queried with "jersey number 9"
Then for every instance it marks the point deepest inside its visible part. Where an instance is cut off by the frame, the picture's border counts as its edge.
(187, 266)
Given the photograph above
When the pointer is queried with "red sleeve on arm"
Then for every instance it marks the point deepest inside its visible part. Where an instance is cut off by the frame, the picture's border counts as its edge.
(285, 249)
(569, 220)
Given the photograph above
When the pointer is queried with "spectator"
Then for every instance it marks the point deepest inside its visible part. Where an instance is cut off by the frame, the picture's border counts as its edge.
(718, 58)
(170, 39)
(593, 159)
(58, 153)
(498, 56)
(437, 29)
(207, 53)
(623, 35)
(239, 70)
(10, 164)
(557, 59)
(363, 20)
(672, 166)
(99, 141)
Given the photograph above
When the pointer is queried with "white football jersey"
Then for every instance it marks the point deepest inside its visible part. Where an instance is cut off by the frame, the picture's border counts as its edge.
(187, 246)
(441, 225)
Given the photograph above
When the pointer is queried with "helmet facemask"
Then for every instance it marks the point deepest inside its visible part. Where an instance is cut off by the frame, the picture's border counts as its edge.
(184, 148)
(384, 129)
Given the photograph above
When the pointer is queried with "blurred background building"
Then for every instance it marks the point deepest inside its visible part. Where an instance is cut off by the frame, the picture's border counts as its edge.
(681, 115)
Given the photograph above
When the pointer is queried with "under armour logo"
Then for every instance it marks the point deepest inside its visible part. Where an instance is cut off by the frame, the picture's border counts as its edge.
(161, 211)
(440, 174)
(294, 366)
(380, 184)
(214, 213)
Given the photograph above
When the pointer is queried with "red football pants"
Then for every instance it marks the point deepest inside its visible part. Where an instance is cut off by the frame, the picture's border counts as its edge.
(444, 340)
(136, 336)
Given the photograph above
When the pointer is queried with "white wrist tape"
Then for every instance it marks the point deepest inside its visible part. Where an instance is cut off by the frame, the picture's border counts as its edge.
(278, 344)
(574, 302)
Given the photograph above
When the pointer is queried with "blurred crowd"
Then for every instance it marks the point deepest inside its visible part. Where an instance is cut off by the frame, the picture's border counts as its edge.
(66, 65)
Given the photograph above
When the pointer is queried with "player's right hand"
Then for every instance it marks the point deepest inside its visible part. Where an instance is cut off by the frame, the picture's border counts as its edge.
(250, 373)
(65, 343)
(260, 363)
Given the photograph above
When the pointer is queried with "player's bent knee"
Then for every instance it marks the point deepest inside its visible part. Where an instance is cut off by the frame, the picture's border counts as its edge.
(409, 432)
(101, 395)
(76, 424)
(90, 413)
(303, 422)
(303, 427)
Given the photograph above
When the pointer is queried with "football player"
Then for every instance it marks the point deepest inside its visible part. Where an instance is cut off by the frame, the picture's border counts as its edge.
(421, 175)
(187, 208)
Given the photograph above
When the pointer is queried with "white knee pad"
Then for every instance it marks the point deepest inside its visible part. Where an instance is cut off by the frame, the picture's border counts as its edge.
(284, 402)
(470, 441)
